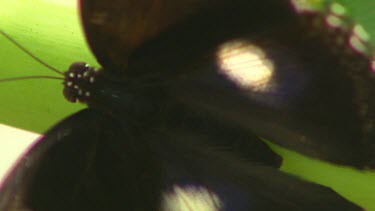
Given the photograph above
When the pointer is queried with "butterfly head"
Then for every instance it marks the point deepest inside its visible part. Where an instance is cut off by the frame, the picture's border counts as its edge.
(78, 82)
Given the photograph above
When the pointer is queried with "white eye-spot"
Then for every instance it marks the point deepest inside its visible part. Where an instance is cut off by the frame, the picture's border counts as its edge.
(191, 198)
(338, 9)
(86, 73)
(75, 87)
(80, 91)
(357, 44)
(69, 83)
(246, 65)
(87, 94)
(334, 21)
(87, 65)
(360, 32)
(71, 75)
(79, 76)
(92, 79)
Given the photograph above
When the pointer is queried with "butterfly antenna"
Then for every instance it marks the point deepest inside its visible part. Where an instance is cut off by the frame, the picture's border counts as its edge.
(30, 54)
(29, 77)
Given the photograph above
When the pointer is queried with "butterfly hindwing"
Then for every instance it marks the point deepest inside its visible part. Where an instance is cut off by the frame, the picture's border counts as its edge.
(222, 134)
(101, 163)
(77, 166)
(201, 176)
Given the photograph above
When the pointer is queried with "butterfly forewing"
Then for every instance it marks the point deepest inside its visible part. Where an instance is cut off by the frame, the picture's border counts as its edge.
(275, 76)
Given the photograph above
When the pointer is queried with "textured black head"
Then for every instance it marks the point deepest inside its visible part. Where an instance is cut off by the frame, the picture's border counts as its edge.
(79, 82)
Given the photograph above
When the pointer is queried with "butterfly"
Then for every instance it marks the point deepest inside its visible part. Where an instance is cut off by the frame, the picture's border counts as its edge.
(183, 90)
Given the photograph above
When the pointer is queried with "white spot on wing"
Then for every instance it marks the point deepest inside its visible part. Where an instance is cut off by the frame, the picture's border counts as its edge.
(245, 64)
(191, 198)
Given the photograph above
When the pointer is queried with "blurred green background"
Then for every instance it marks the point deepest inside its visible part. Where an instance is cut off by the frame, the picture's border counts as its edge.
(51, 30)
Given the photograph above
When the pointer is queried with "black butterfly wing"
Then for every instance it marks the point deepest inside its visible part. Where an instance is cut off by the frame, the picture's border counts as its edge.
(79, 165)
(318, 100)
(312, 96)
(90, 161)
(221, 134)
(199, 176)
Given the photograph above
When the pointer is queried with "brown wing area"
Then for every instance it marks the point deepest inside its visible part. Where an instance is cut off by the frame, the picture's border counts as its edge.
(114, 29)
